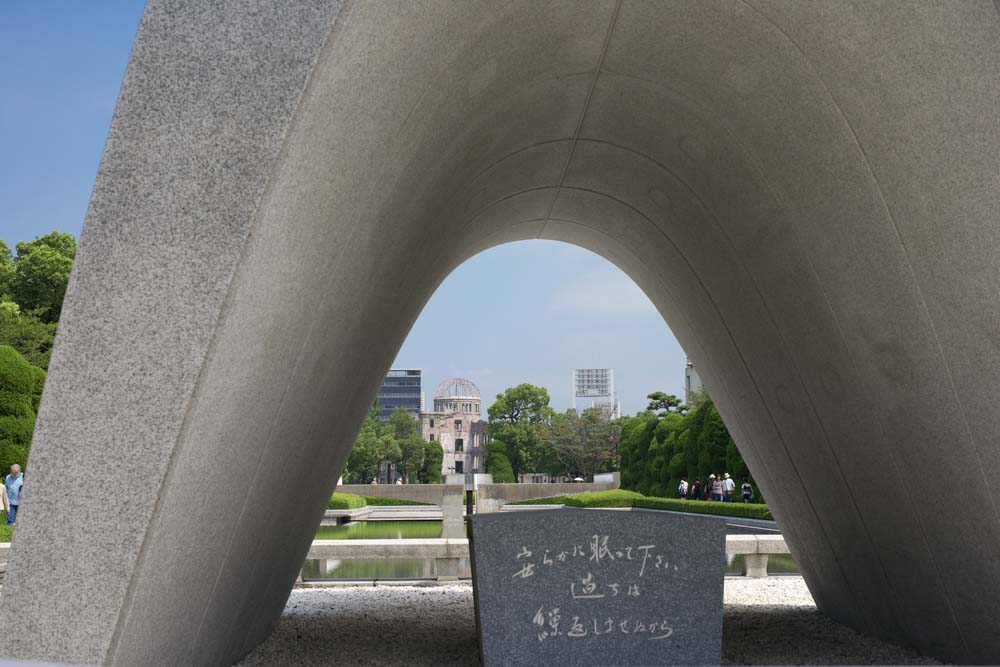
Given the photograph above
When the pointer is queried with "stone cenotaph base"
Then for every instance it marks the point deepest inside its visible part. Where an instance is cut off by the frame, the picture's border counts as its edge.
(598, 587)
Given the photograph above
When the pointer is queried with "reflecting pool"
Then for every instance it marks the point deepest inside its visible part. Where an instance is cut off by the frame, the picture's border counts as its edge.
(424, 568)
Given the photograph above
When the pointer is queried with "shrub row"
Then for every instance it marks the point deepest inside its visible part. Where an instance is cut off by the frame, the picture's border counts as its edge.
(351, 501)
(737, 509)
(622, 498)
(6, 533)
(346, 501)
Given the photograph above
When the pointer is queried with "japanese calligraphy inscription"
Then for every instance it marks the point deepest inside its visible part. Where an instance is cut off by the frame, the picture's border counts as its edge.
(598, 587)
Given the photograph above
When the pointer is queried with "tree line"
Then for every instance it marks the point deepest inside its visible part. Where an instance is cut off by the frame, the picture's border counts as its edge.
(527, 435)
(671, 441)
(394, 443)
(653, 450)
(33, 282)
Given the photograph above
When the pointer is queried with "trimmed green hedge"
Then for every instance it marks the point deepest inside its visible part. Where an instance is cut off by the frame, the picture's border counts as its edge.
(622, 498)
(346, 501)
(6, 532)
(20, 390)
(351, 501)
(737, 509)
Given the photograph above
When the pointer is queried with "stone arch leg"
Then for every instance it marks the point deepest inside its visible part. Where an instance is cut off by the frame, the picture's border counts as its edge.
(286, 183)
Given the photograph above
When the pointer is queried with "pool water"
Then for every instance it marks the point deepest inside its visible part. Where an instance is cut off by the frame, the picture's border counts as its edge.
(380, 530)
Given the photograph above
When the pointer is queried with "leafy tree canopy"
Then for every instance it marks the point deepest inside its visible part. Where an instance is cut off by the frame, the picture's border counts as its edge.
(430, 471)
(669, 443)
(497, 463)
(516, 418)
(524, 403)
(27, 334)
(658, 401)
(41, 272)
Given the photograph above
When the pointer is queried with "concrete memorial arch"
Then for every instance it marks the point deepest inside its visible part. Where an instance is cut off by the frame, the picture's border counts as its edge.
(809, 193)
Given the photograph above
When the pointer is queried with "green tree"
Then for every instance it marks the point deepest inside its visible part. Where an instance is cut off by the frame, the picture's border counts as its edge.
(515, 419)
(363, 463)
(20, 387)
(660, 448)
(430, 471)
(498, 464)
(6, 271)
(636, 436)
(402, 424)
(413, 450)
(405, 430)
(578, 445)
(660, 401)
(698, 396)
(390, 453)
(41, 273)
(27, 334)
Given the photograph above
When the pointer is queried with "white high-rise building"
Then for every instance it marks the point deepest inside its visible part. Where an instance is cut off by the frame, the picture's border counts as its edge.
(596, 388)
(692, 381)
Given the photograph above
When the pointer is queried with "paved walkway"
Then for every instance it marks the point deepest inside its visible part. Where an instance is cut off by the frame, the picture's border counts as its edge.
(766, 622)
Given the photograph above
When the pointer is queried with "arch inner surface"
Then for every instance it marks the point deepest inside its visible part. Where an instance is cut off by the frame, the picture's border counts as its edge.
(808, 192)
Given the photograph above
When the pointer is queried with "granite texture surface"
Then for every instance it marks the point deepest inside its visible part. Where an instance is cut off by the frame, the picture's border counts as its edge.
(765, 622)
(202, 116)
(598, 587)
(808, 193)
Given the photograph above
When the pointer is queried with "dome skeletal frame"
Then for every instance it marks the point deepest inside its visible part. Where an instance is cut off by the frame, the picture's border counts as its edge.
(457, 388)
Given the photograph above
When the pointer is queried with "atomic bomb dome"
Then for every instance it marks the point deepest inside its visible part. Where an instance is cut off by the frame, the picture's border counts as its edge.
(457, 388)
(457, 425)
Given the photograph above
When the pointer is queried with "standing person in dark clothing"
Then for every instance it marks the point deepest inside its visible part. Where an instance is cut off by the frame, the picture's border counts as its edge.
(695, 490)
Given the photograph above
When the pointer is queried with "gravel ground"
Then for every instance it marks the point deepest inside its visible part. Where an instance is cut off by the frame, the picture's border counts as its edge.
(769, 621)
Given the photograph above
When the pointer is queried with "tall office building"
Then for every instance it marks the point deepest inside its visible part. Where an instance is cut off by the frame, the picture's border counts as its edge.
(596, 388)
(401, 388)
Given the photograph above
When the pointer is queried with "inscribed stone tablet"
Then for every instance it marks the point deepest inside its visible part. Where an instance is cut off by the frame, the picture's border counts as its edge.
(598, 587)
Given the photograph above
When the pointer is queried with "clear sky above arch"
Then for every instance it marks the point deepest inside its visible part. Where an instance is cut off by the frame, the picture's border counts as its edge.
(560, 307)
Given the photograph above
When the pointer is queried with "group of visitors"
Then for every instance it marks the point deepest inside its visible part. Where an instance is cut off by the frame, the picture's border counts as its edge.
(10, 493)
(719, 489)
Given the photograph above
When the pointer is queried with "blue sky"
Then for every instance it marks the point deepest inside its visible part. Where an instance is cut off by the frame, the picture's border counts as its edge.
(61, 65)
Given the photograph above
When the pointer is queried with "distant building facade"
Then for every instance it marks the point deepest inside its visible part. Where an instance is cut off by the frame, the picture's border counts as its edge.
(401, 389)
(456, 422)
(595, 388)
(692, 381)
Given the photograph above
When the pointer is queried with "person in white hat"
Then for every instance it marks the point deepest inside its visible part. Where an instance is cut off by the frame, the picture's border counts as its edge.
(716, 484)
(728, 486)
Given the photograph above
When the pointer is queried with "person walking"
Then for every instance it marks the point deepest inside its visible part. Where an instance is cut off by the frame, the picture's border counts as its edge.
(14, 483)
(747, 490)
(696, 490)
(728, 487)
(717, 489)
(710, 488)
(4, 503)
(682, 489)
